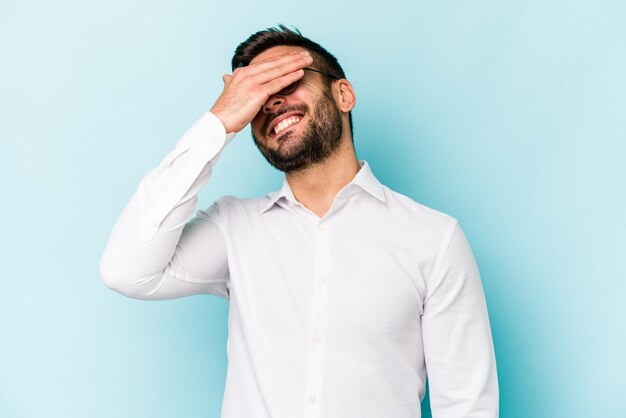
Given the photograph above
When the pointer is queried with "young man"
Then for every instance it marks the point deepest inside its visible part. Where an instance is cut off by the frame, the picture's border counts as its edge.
(343, 293)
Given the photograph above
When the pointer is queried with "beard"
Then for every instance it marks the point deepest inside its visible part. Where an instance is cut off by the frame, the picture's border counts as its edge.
(317, 142)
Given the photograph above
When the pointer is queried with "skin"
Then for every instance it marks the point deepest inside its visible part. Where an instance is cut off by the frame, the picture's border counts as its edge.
(249, 96)
(318, 139)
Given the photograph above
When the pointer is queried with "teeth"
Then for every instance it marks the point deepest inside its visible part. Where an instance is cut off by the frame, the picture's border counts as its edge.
(285, 123)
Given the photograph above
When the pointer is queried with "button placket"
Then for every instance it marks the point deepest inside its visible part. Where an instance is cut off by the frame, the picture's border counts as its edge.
(319, 320)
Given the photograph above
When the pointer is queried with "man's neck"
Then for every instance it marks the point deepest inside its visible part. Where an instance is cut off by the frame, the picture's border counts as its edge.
(316, 186)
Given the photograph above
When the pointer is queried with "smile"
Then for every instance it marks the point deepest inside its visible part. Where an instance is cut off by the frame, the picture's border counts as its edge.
(285, 123)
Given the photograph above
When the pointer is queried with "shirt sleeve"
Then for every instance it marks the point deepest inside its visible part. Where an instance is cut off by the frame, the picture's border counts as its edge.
(153, 252)
(458, 346)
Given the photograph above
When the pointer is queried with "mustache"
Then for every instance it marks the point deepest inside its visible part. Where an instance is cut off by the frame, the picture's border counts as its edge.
(271, 116)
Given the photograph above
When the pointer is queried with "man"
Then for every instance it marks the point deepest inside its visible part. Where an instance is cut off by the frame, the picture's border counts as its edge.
(343, 293)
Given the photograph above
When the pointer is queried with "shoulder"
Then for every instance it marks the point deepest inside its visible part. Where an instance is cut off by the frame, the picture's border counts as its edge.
(407, 209)
(429, 230)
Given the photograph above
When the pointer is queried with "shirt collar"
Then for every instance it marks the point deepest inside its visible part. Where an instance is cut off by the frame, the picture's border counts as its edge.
(364, 179)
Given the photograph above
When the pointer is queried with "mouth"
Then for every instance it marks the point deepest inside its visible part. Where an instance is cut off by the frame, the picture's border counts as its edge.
(284, 123)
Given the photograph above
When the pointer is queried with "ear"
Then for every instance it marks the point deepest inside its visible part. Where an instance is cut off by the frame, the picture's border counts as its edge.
(346, 99)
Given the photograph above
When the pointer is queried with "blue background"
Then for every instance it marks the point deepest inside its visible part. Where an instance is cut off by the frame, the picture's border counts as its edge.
(510, 116)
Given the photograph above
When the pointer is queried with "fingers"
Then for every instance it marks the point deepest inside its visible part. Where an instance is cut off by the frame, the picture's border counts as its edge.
(280, 83)
(280, 60)
(265, 71)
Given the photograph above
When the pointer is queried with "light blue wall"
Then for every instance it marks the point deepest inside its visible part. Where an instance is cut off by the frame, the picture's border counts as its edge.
(510, 116)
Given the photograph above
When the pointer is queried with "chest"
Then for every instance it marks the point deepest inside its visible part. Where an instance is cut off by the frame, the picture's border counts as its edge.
(367, 280)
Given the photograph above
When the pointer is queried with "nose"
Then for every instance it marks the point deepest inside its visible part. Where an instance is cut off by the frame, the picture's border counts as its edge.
(274, 103)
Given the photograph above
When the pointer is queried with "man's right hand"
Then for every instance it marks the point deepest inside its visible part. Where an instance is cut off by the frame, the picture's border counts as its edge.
(248, 88)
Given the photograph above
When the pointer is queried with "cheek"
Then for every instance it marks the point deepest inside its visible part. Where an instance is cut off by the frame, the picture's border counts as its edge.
(256, 124)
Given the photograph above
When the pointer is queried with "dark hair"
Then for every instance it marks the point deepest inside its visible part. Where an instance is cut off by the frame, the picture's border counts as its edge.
(283, 36)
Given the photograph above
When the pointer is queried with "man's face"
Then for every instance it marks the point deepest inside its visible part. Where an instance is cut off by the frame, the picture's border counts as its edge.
(300, 129)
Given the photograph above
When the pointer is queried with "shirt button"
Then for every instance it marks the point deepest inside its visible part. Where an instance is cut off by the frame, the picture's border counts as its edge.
(313, 399)
(322, 280)
(322, 228)
(318, 339)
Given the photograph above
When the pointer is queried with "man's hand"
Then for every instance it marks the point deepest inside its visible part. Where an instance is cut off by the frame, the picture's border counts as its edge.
(248, 88)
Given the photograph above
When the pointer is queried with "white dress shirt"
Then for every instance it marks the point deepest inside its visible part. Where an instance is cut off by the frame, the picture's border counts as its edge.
(333, 317)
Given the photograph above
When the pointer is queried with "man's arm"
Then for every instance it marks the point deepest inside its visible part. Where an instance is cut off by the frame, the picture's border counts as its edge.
(152, 252)
(458, 346)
